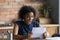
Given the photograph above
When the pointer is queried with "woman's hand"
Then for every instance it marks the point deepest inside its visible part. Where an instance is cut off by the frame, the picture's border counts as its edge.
(29, 35)
(45, 35)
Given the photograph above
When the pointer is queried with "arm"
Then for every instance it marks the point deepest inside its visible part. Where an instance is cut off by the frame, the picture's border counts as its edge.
(15, 30)
(15, 33)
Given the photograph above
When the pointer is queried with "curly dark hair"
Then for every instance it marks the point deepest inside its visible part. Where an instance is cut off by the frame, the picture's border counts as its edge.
(25, 10)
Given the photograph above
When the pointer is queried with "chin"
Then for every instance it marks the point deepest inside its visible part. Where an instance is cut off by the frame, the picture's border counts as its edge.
(29, 22)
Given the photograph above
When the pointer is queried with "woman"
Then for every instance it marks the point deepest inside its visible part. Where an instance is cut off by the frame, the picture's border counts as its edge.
(23, 28)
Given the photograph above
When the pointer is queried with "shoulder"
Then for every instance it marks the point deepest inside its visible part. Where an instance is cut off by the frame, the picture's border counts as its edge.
(35, 23)
(19, 22)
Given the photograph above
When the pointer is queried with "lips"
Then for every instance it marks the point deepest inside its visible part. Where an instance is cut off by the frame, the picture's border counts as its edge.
(29, 22)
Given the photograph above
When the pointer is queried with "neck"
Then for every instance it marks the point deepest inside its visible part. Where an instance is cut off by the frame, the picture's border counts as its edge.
(27, 23)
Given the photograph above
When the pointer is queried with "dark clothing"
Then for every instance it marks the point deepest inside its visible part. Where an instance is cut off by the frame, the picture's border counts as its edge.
(24, 28)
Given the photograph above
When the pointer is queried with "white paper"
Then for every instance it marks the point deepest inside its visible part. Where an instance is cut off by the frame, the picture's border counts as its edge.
(38, 32)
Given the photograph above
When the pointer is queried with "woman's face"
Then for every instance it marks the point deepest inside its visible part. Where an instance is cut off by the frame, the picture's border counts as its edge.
(29, 17)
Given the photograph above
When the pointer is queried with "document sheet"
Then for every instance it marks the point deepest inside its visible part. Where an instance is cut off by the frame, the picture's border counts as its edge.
(37, 32)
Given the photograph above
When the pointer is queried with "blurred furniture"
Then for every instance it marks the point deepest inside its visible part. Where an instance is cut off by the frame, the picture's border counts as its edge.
(27, 39)
(4, 28)
(51, 38)
(45, 20)
(51, 28)
(56, 35)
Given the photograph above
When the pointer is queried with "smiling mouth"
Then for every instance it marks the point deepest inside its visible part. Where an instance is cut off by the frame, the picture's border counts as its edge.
(29, 21)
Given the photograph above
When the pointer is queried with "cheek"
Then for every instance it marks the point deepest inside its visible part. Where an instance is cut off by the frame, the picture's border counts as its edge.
(29, 19)
(32, 18)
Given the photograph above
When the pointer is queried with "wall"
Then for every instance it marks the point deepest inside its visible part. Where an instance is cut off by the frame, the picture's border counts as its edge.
(55, 13)
(9, 9)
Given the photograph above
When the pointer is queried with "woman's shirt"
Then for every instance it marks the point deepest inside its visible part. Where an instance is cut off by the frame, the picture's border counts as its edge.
(25, 28)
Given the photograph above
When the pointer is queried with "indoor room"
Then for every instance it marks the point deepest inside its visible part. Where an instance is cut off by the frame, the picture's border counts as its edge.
(29, 20)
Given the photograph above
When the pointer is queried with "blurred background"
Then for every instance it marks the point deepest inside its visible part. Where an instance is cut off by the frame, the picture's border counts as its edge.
(47, 13)
(47, 9)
